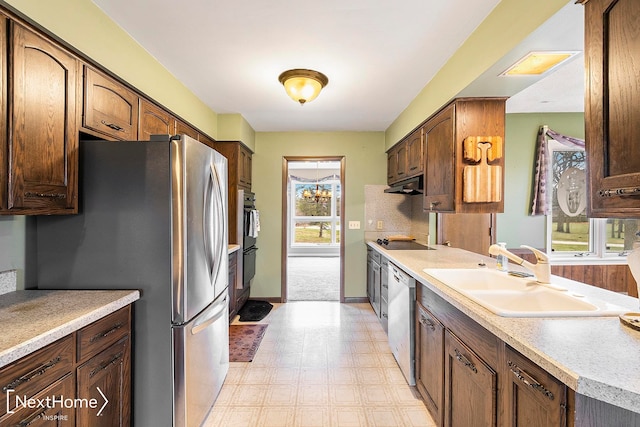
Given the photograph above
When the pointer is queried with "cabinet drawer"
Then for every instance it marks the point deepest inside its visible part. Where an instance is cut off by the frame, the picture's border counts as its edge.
(109, 107)
(33, 373)
(99, 335)
(56, 415)
(375, 256)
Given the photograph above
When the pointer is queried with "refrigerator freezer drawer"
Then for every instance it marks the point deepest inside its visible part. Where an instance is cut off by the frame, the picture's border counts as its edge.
(201, 362)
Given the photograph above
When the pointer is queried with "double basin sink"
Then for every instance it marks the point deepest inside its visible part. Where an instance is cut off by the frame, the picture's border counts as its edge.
(511, 296)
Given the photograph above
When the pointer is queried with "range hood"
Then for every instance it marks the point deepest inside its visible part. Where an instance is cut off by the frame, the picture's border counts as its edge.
(409, 186)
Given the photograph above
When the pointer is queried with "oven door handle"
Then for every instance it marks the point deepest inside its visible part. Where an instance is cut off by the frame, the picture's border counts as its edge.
(250, 250)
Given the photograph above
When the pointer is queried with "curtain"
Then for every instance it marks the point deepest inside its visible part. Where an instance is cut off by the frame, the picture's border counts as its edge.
(541, 198)
(314, 180)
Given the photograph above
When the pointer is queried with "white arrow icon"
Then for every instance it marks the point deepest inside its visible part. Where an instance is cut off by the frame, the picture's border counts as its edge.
(105, 401)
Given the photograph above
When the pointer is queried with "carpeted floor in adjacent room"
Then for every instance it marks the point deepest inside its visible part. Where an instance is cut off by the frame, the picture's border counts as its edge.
(313, 278)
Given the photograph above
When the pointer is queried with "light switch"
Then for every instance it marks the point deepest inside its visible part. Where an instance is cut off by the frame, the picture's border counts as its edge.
(354, 225)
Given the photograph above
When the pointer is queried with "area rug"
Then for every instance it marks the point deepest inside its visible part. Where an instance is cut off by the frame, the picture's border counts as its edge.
(244, 341)
(254, 310)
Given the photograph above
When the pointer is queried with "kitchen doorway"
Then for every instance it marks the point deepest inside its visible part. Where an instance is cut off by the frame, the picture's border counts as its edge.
(312, 229)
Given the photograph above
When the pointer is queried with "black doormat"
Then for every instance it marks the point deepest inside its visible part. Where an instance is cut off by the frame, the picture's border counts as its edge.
(254, 310)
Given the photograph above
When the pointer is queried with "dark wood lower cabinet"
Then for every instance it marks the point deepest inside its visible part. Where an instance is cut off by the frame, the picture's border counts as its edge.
(470, 387)
(468, 377)
(430, 362)
(532, 396)
(42, 415)
(107, 373)
(85, 365)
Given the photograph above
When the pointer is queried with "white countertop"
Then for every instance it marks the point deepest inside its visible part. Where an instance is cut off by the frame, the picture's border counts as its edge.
(33, 319)
(595, 356)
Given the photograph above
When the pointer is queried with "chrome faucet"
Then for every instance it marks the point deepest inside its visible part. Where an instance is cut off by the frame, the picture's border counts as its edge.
(541, 269)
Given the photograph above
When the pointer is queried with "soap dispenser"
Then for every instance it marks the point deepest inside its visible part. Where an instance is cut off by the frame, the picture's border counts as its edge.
(502, 262)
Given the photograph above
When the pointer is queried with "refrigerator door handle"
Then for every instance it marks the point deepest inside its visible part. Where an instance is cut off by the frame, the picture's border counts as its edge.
(209, 316)
(214, 239)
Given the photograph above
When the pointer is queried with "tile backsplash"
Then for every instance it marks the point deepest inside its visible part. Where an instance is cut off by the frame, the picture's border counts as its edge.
(390, 214)
(8, 281)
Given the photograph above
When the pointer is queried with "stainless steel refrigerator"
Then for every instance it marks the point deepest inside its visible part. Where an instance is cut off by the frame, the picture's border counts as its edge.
(153, 217)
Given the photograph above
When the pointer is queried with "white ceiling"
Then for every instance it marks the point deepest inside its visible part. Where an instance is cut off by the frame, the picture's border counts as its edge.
(377, 54)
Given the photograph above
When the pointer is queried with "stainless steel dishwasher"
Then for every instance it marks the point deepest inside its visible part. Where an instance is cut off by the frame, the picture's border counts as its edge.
(402, 297)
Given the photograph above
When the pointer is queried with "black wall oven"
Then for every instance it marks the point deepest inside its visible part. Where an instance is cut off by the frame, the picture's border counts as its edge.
(249, 238)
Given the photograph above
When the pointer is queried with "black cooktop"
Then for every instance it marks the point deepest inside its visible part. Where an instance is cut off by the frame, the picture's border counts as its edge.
(402, 245)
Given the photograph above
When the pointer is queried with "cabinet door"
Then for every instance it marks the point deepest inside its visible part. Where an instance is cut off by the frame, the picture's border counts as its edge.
(233, 275)
(108, 372)
(377, 283)
(110, 108)
(612, 115)
(392, 166)
(245, 167)
(55, 415)
(415, 154)
(42, 164)
(430, 362)
(401, 163)
(154, 121)
(183, 128)
(532, 396)
(439, 180)
(470, 387)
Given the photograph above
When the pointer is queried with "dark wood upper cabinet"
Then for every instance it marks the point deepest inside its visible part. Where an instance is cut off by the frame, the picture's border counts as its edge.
(183, 128)
(39, 156)
(464, 160)
(405, 159)
(439, 180)
(612, 109)
(153, 121)
(110, 108)
(415, 153)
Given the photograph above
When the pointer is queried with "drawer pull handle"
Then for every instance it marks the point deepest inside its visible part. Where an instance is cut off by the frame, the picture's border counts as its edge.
(625, 191)
(466, 362)
(32, 419)
(432, 205)
(112, 126)
(105, 365)
(104, 334)
(427, 322)
(526, 378)
(385, 315)
(31, 374)
(46, 195)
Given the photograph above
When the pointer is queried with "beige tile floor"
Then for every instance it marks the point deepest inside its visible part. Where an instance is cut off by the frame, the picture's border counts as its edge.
(319, 364)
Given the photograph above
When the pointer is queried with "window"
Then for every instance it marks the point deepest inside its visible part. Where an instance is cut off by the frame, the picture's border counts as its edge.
(569, 230)
(316, 220)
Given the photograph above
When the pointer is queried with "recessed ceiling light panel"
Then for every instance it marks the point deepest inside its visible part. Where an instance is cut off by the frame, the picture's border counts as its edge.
(536, 63)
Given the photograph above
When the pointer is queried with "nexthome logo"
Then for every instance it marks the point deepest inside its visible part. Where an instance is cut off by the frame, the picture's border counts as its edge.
(52, 402)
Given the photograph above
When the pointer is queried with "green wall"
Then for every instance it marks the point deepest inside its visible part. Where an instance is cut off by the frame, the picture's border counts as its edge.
(365, 162)
(515, 226)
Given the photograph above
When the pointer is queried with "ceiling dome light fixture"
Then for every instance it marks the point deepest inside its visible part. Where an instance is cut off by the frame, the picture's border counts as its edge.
(303, 85)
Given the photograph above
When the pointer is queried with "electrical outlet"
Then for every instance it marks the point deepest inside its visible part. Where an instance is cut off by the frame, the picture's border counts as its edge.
(379, 225)
(354, 225)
